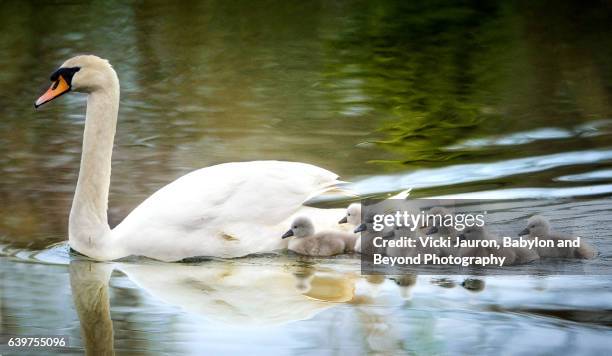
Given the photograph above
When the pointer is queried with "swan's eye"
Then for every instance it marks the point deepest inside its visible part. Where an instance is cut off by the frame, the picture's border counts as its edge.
(295, 227)
(348, 214)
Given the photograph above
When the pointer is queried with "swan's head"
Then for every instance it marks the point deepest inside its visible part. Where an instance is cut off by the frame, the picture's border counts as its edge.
(536, 226)
(85, 74)
(301, 227)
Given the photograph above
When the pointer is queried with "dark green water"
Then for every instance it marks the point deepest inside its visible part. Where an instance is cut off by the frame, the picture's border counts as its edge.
(508, 98)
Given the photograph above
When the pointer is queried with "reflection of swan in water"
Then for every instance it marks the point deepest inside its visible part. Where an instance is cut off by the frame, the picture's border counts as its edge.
(236, 293)
(89, 284)
(231, 293)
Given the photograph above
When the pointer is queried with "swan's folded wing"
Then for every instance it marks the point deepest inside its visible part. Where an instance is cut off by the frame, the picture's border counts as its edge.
(215, 199)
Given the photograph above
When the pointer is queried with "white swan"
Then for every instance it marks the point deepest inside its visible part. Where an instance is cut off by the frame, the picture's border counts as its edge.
(227, 210)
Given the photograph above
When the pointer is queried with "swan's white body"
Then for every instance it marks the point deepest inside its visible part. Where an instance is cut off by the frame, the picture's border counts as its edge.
(228, 210)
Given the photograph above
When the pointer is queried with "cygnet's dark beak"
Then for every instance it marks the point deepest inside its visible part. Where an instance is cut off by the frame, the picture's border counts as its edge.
(344, 220)
(360, 228)
(524, 232)
(432, 230)
(288, 234)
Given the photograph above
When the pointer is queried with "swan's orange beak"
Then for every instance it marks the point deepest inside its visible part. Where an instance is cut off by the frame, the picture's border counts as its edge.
(59, 87)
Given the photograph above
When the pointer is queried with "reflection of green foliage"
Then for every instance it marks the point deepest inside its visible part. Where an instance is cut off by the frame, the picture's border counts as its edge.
(444, 71)
(421, 135)
(423, 67)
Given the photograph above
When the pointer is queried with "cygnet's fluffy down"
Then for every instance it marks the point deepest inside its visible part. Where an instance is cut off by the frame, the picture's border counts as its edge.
(538, 226)
(441, 231)
(353, 215)
(353, 218)
(366, 235)
(419, 249)
(514, 255)
(324, 243)
(357, 246)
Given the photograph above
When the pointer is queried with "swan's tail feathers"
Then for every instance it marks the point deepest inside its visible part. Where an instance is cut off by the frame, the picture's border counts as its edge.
(404, 194)
(333, 188)
(339, 188)
(343, 191)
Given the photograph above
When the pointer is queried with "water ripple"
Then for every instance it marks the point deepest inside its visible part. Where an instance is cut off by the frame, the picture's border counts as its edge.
(591, 129)
(464, 173)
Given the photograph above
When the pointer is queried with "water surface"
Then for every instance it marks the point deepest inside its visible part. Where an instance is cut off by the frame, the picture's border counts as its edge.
(507, 99)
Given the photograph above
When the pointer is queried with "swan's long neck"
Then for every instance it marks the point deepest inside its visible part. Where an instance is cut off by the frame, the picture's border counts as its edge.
(89, 232)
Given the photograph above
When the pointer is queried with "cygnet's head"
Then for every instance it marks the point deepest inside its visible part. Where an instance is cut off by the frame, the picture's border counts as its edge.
(537, 225)
(432, 227)
(85, 74)
(398, 231)
(366, 224)
(301, 227)
(353, 215)
(439, 210)
(473, 233)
